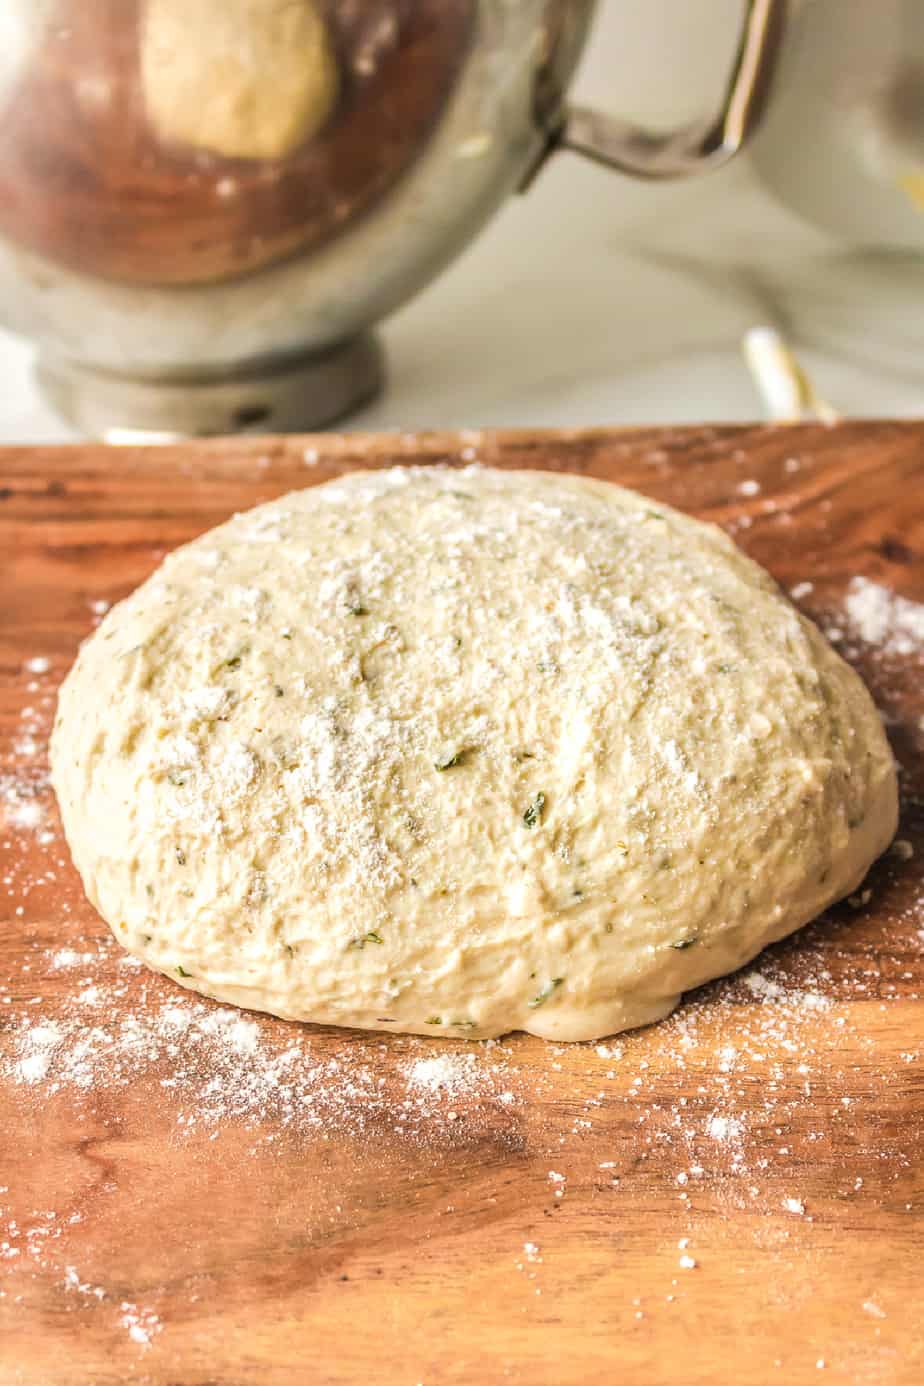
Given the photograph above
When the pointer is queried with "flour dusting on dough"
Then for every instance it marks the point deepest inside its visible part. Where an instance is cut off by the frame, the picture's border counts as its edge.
(460, 751)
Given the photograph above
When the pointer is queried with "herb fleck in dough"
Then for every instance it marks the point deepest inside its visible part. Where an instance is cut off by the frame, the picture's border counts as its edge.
(462, 752)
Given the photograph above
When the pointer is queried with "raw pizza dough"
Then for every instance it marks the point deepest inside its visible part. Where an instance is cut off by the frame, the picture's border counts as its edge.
(463, 752)
(248, 79)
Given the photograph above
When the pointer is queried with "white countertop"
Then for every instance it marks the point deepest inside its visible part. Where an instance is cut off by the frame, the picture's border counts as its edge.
(593, 299)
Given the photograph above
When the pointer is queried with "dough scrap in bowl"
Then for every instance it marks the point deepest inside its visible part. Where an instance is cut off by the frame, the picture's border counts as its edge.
(244, 79)
(459, 752)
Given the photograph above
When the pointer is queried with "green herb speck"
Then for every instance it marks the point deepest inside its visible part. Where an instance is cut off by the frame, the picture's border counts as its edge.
(534, 812)
(546, 992)
(371, 937)
(448, 762)
(434, 1020)
(182, 971)
(176, 777)
(684, 943)
(280, 692)
(234, 662)
(181, 856)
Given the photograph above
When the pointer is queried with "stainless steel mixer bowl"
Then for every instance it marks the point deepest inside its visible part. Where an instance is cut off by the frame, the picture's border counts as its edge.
(206, 204)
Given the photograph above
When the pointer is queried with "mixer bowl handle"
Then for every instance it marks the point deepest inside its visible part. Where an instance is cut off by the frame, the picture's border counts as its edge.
(694, 148)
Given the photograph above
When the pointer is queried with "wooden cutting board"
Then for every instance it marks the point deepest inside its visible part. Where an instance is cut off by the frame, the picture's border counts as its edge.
(191, 1196)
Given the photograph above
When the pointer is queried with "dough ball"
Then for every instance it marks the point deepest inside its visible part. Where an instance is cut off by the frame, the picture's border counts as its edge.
(463, 752)
(247, 79)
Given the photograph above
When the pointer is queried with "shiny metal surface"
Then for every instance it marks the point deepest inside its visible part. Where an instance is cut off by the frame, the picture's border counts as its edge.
(844, 147)
(706, 144)
(320, 388)
(206, 204)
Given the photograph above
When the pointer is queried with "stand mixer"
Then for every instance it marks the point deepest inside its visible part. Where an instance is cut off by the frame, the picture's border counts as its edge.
(206, 205)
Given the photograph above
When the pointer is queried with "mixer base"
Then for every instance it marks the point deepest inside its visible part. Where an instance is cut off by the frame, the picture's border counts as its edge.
(295, 395)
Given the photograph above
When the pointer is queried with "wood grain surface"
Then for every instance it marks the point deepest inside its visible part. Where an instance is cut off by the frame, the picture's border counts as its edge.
(192, 1197)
